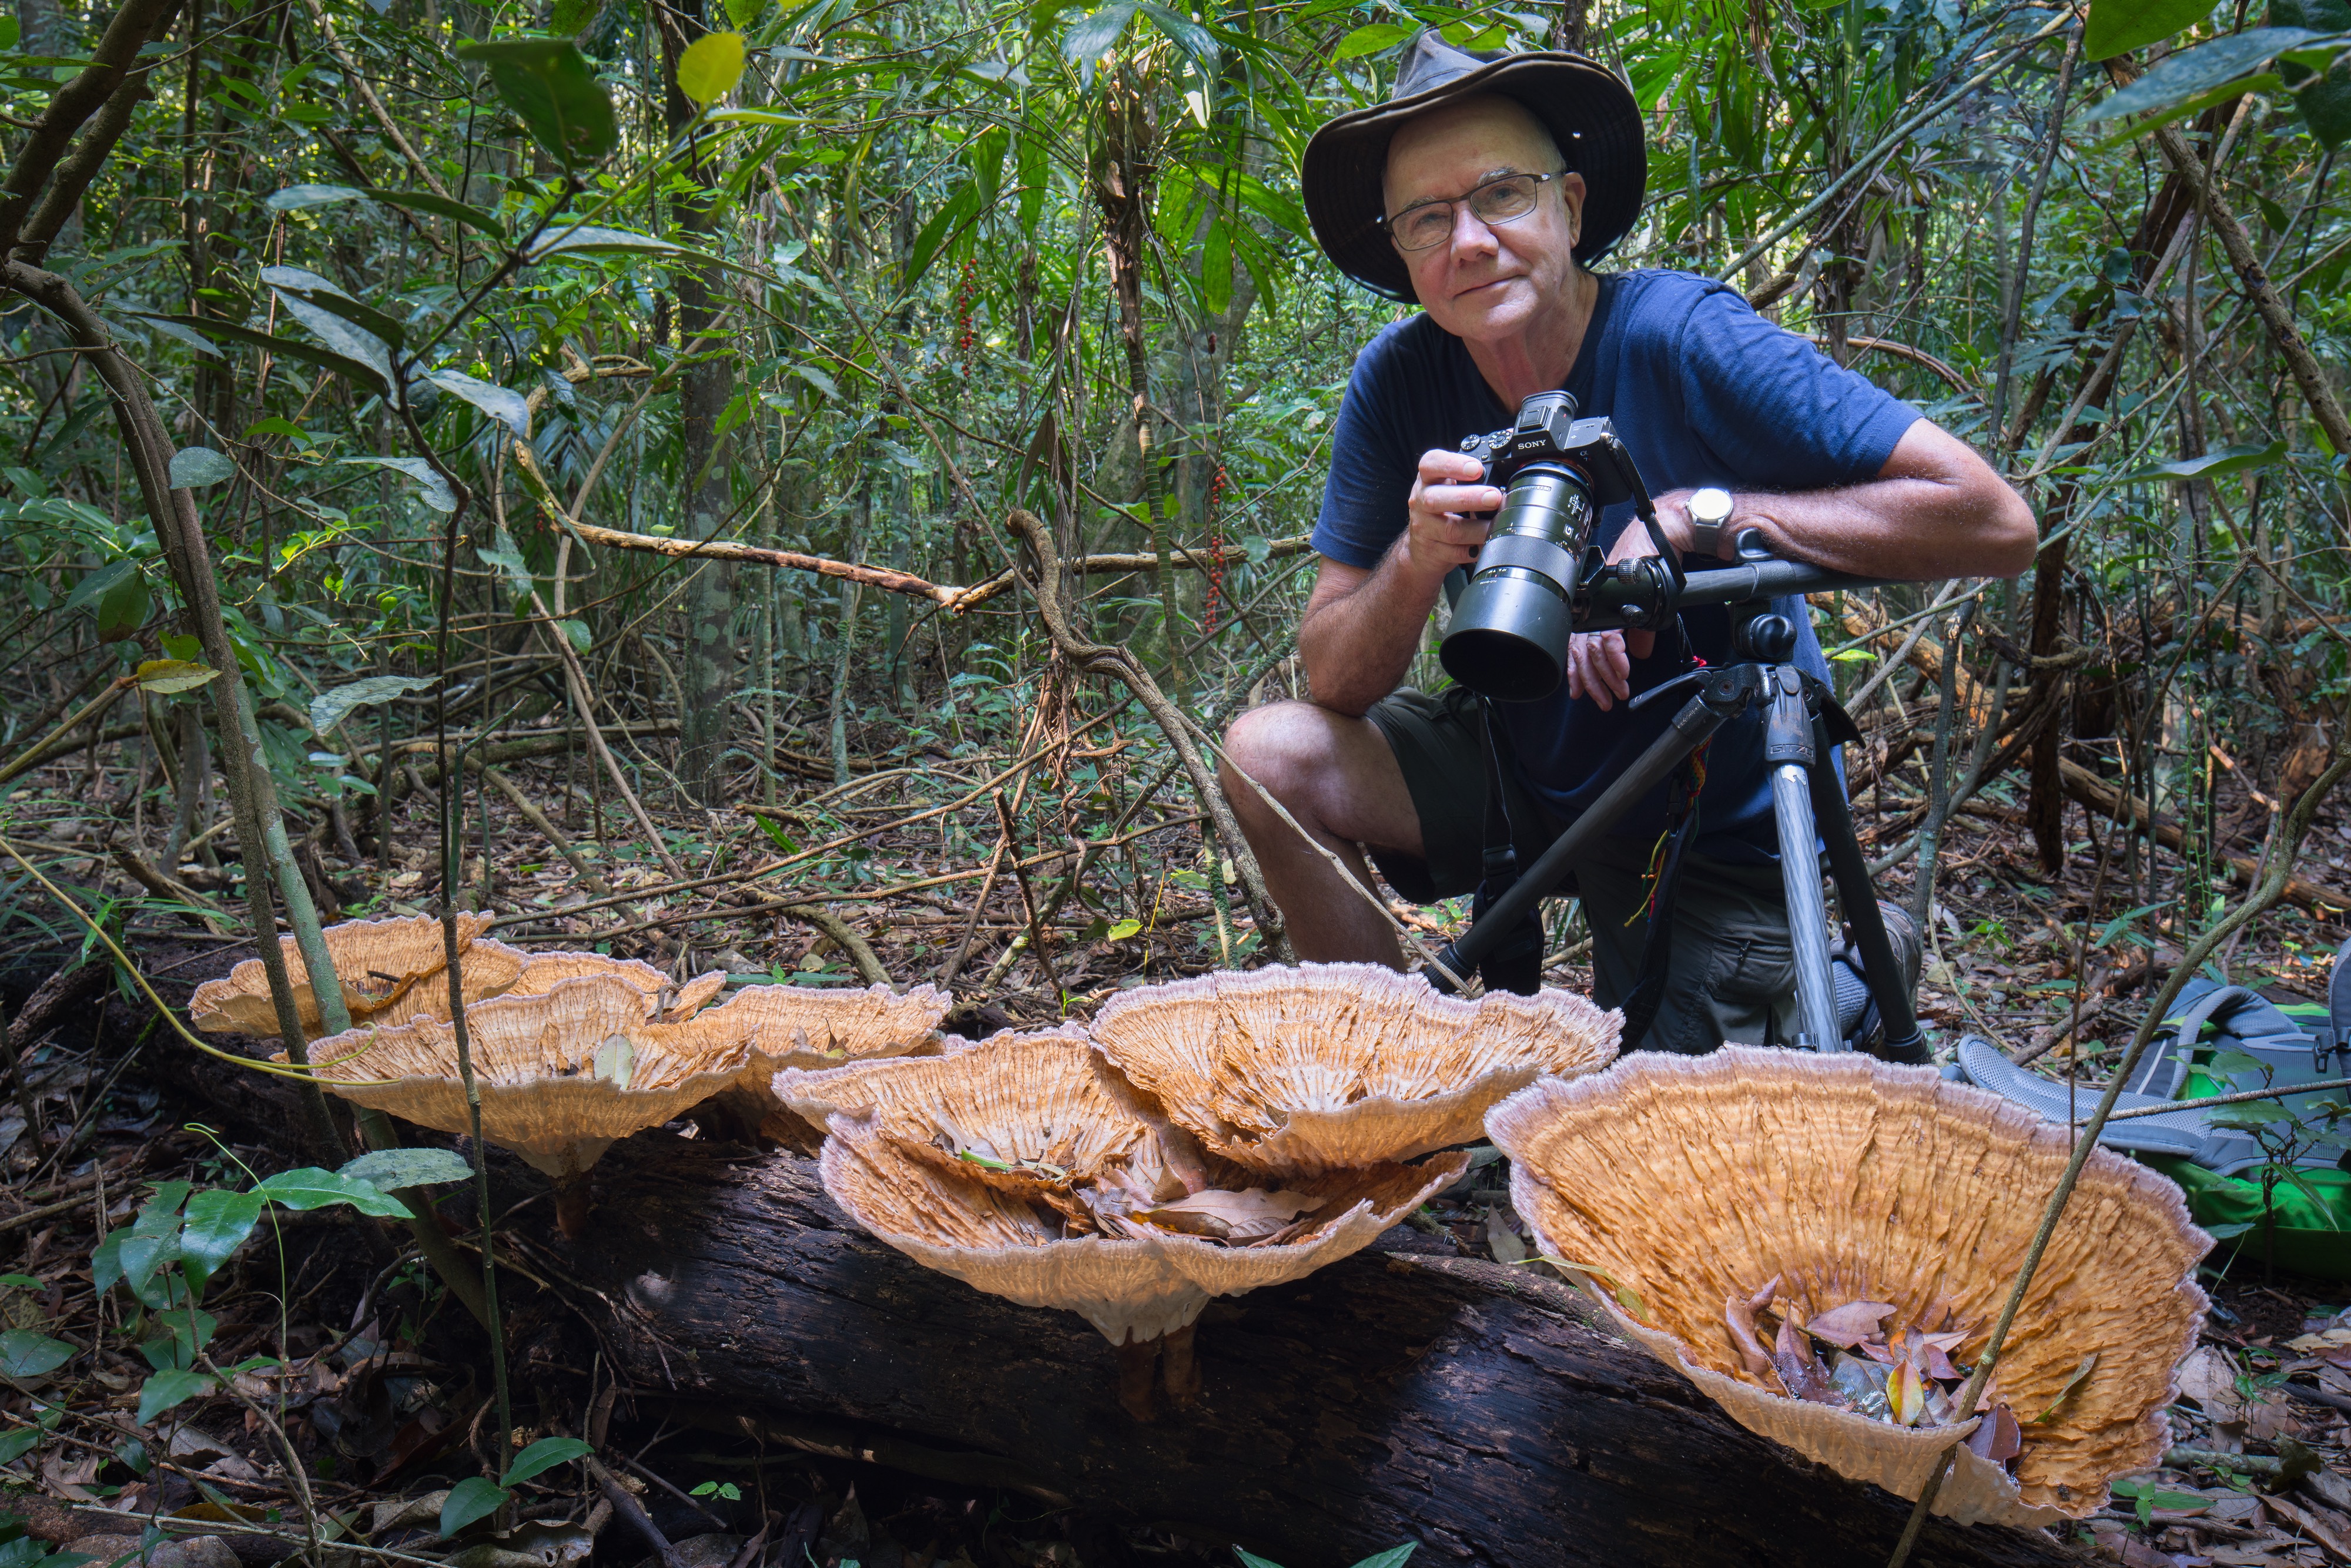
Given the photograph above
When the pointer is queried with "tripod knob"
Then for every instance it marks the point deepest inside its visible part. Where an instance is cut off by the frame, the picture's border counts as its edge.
(1771, 639)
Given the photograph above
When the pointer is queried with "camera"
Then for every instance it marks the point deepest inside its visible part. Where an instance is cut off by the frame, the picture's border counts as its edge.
(1540, 571)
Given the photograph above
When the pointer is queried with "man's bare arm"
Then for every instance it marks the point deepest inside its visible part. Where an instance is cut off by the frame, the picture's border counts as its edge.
(1935, 509)
(1361, 628)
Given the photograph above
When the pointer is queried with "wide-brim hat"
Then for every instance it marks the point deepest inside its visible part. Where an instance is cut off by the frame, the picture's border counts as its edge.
(1586, 107)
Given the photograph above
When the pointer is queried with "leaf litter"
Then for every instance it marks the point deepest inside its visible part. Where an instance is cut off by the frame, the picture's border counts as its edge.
(1900, 1374)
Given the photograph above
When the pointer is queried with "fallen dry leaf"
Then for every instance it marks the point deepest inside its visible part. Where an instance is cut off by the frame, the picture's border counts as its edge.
(1847, 1326)
(1223, 1216)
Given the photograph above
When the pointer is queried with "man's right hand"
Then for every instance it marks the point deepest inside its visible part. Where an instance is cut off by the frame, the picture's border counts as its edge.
(1442, 530)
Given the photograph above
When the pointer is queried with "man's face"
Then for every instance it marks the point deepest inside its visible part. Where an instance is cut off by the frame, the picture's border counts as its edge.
(1486, 284)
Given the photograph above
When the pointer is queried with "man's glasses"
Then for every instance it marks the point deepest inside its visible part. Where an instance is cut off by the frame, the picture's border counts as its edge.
(1505, 200)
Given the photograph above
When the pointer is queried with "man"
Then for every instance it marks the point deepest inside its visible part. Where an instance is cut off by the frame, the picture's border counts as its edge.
(1481, 189)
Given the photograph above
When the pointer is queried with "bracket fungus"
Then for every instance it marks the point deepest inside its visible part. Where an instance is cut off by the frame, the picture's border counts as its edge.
(666, 1001)
(381, 963)
(561, 1075)
(1330, 1065)
(1837, 1189)
(801, 1026)
(1013, 1166)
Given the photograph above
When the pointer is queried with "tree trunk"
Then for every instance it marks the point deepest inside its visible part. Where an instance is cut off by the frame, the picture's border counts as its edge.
(708, 679)
(1390, 1397)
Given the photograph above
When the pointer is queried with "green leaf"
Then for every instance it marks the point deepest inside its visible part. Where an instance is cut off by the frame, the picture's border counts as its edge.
(1394, 1557)
(218, 1222)
(509, 408)
(581, 637)
(2200, 70)
(1186, 34)
(393, 1169)
(2326, 104)
(588, 239)
(2119, 26)
(550, 86)
(366, 374)
(15, 1445)
(476, 1496)
(944, 223)
(1216, 268)
(742, 13)
(331, 317)
(169, 1390)
(1371, 40)
(439, 207)
(1252, 1560)
(1123, 930)
(294, 198)
(100, 583)
(2241, 458)
(311, 1188)
(336, 703)
(437, 494)
(193, 468)
(1093, 36)
(544, 1456)
(124, 608)
(24, 1354)
(783, 840)
(710, 68)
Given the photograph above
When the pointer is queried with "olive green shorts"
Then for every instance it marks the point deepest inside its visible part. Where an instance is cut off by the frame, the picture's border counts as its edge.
(1732, 973)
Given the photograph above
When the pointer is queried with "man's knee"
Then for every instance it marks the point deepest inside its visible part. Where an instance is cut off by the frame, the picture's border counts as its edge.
(1284, 747)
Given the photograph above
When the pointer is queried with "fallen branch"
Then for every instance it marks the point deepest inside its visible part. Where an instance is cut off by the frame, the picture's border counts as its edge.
(945, 595)
(2135, 813)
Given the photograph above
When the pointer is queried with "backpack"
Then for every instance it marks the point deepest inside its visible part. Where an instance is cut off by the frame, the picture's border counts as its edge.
(2305, 1223)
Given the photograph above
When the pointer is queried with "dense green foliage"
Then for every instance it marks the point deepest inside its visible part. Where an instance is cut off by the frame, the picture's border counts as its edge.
(420, 288)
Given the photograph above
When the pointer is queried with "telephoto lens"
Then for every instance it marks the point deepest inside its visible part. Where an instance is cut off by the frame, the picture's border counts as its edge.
(1508, 635)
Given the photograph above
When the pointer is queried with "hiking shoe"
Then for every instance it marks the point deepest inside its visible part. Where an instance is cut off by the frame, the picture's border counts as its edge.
(1856, 1008)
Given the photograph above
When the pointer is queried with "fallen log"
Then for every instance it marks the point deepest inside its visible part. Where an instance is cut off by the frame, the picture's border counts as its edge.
(1391, 1398)
(1395, 1395)
(2108, 801)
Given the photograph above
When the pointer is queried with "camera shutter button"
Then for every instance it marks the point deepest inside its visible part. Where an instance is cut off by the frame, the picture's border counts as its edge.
(1708, 510)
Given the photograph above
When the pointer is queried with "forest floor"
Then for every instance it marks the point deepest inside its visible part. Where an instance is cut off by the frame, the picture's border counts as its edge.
(381, 1389)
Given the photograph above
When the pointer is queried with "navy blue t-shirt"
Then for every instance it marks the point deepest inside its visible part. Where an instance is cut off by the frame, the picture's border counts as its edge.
(1703, 392)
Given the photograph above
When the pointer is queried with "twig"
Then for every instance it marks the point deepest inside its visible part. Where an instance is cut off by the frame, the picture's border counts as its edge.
(2239, 1098)
(633, 1514)
(1404, 934)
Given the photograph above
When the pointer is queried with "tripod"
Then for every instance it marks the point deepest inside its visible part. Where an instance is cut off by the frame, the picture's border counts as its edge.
(1803, 721)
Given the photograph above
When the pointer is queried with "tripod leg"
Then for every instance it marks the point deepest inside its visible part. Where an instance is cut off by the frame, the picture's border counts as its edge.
(1698, 719)
(1858, 894)
(1808, 916)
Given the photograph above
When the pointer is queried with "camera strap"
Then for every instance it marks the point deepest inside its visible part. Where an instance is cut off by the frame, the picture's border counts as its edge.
(1515, 963)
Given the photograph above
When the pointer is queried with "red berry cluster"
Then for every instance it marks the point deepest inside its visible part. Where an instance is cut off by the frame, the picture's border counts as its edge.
(966, 291)
(1216, 547)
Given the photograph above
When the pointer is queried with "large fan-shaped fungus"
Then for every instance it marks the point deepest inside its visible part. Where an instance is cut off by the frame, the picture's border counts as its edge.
(1329, 1065)
(666, 1001)
(381, 963)
(798, 1027)
(1684, 1184)
(1009, 1166)
(561, 1075)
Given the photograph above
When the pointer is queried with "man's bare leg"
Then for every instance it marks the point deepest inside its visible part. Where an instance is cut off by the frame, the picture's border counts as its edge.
(1337, 776)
